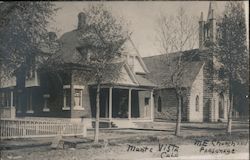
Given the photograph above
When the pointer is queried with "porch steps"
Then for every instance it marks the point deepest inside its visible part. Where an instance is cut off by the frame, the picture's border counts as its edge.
(123, 124)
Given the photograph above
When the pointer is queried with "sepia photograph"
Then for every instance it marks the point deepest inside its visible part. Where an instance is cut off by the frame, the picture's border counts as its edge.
(124, 80)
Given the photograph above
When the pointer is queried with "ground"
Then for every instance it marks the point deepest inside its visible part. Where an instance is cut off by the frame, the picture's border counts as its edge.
(155, 141)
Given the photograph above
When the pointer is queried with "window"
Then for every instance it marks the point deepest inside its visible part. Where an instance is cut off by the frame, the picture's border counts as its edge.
(66, 99)
(131, 61)
(221, 73)
(78, 98)
(146, 101)
(45, 107)
(8, 99)
(197, 104)
(221, 105)
(31, 74)
(29, 102)
(159, 104)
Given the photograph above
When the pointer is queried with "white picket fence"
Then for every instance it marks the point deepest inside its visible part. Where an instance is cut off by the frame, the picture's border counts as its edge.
(23, 128)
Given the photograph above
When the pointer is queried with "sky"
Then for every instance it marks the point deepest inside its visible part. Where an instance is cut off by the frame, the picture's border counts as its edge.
(141, 17)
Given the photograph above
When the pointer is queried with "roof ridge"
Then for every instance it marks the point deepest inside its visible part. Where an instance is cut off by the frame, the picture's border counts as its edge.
(167, 54)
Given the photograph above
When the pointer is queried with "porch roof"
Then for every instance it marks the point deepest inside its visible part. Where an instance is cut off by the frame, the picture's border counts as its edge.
(144, 82)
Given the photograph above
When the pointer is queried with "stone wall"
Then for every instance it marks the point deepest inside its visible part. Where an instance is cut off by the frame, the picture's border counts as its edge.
(207, 85)
(169, 103)
(196, 115)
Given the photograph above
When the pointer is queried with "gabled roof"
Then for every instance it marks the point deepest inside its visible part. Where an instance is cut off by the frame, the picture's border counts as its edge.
(162, 67)
(130, 49)
(69, 54)
(128, 78)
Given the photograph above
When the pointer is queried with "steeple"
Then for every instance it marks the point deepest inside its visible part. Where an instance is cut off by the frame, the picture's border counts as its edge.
(201, 17)
(201, 31)
(208, 28)
(211, 10)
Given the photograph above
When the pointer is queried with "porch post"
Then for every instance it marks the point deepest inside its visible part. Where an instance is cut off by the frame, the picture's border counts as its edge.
(11, 99)
(152, 105)
(19, 107)
(110, 103)
(129, 103)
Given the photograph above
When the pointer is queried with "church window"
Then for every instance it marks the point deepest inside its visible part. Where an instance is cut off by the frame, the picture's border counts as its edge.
(159, 109)
(197, 104)
(221, 106)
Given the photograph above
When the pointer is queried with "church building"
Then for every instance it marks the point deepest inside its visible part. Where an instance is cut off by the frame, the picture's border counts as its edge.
(201, 100)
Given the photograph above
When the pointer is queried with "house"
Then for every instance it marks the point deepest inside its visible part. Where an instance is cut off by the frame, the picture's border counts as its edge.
(65, 92)
(201, 100)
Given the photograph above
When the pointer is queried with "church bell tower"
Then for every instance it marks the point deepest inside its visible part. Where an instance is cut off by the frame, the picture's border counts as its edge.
(207, 29)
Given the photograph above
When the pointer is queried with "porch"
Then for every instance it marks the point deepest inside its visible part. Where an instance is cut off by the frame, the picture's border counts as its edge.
(119, 103)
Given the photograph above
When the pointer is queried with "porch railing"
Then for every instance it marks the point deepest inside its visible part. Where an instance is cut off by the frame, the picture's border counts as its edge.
(18, 128)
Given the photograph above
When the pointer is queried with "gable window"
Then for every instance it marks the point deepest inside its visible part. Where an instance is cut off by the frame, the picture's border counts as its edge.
(197, 104)
(159, 105)
(131, 62)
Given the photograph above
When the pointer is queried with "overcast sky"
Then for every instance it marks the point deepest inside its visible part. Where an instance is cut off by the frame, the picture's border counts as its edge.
(141, 17)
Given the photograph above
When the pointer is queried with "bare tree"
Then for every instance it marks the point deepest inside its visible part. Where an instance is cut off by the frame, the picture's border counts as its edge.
(103, 36)
(231, 50)
(176, 34)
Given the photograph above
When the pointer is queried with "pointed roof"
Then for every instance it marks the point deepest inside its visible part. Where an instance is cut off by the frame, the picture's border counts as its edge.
(212, 10)
(201, 17)
(130, 49)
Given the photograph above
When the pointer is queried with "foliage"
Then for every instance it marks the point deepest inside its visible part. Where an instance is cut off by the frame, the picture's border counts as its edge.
(22, 30)
(103, 36)
(231, 49)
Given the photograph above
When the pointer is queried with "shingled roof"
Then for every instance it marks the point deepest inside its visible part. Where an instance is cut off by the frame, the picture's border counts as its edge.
(161, 67)
(68, 52)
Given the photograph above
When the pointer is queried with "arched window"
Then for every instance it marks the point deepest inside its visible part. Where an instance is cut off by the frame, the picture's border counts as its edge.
(221, 106)
(197, 104)
(159, 104)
